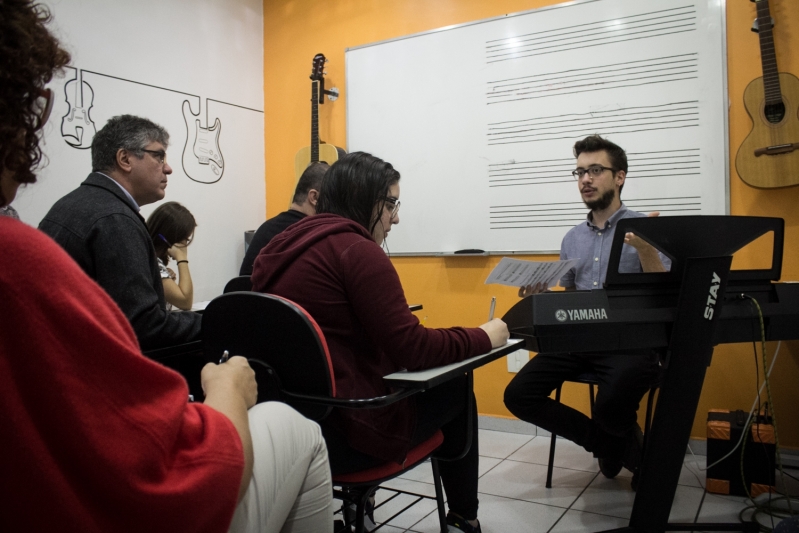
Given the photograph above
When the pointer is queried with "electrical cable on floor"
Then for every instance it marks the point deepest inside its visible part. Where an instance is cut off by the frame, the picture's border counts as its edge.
(771, 507)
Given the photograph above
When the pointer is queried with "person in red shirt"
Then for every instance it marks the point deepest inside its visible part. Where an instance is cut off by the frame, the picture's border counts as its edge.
(332, 265)
(96, 437)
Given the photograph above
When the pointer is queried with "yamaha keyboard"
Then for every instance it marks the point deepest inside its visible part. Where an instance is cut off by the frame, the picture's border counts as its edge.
(633, 319)
(637, 311)
(685, 312)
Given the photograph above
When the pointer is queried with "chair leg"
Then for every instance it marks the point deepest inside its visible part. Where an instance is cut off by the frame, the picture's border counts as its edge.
(552, 448)
(648, 421)
(442, 518)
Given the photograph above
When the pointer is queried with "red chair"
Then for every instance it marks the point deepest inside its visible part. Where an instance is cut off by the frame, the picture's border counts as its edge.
(289, 354)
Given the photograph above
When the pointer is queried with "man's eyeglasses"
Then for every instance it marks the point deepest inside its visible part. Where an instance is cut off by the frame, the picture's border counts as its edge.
(393, 204)
(44, 105)
(159, 155)
(594, 171)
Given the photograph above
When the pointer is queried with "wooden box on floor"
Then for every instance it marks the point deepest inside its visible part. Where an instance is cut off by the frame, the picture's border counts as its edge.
(724, 429)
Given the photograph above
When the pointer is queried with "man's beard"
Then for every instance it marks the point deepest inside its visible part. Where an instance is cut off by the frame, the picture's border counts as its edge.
(603, 202)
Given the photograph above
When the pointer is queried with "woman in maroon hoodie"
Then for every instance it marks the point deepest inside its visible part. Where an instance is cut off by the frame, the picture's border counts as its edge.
(332, 264)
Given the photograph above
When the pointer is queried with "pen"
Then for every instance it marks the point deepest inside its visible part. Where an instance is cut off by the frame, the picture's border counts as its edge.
(225, 357)
(491, 309)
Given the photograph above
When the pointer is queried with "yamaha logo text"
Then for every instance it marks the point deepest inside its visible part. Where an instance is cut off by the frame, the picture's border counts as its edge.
(581, 314)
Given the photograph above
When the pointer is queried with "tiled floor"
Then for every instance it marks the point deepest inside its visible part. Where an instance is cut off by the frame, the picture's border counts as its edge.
(513, 497)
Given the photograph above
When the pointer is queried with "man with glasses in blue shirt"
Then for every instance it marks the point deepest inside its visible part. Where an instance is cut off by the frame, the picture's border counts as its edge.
(613, 434)
(99, 225)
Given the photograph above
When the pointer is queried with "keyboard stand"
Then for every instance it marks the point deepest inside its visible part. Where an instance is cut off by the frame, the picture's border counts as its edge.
(687, 359)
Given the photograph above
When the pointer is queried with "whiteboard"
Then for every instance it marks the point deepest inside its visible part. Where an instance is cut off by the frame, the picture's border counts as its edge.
(480, 119)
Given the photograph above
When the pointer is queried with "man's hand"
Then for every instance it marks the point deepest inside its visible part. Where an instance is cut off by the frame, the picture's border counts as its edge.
(528, 290)
(648, 254)
(497, 331)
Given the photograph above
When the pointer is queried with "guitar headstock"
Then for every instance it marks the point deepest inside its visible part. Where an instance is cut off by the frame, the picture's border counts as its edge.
(318, 71)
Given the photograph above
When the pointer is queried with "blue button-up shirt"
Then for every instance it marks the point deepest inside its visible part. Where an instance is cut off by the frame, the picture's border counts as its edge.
(591, 244)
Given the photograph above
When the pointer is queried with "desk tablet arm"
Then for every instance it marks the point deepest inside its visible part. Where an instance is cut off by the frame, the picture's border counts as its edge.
(346, 403)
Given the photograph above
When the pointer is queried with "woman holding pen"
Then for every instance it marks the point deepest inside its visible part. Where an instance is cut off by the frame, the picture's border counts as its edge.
(332, 264)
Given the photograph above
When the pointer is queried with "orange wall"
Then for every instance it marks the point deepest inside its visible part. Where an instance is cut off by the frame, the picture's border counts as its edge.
(452, 289)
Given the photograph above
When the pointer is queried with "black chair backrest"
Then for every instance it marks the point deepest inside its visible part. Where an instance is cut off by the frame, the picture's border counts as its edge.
(281, 335)
(239, 283)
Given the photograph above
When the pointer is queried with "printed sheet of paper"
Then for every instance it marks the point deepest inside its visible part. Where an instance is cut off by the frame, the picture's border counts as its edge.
(518, 273)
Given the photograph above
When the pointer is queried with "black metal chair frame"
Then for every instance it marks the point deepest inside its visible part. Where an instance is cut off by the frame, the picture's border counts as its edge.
(259, 327)
(591, 380)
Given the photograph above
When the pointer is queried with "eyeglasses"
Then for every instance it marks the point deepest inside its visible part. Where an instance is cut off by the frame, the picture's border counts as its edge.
(393, 204)
(159, 155)
(44, 105)
(594, 171)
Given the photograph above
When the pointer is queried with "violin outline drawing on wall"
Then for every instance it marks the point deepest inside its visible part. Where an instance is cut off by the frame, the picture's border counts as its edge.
(202, 158)
(77, 126)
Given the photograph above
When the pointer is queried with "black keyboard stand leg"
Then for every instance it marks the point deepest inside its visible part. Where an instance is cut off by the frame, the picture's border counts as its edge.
(689, 355)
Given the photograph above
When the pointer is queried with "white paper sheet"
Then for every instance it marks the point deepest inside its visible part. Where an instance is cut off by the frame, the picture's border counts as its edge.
(518, 273)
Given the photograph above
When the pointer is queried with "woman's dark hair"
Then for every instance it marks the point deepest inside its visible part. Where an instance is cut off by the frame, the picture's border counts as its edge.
(29, 55)
(354, 185)
(169, 224)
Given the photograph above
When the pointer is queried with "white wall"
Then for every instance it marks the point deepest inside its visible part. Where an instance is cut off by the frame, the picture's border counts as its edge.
(147, 58)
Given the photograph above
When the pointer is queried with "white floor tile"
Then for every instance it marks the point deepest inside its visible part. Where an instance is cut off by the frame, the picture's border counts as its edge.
(526, 481)
(410, 516)
(500, 515)
(717, 508)
(500, 445)
(424, 472)
(692, 474)
(567, 454)
(612, 497)
(574, 521)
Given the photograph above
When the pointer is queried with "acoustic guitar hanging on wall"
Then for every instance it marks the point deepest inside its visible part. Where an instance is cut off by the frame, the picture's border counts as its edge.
(769, 156)
(318, 150)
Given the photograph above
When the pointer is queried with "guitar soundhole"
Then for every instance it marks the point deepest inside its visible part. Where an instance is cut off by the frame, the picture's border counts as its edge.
(774, 112)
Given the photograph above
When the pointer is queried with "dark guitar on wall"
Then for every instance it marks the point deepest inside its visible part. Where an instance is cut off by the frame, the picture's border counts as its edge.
(318, 150)
(769, 156)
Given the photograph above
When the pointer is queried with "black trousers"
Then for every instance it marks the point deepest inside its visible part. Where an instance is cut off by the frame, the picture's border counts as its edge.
(624, 378)
(442, 407)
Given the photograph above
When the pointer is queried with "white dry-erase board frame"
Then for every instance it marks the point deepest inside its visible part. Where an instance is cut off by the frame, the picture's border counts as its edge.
(480, 118)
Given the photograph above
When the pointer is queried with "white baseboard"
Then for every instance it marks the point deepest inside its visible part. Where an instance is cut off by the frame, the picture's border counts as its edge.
(790, 458)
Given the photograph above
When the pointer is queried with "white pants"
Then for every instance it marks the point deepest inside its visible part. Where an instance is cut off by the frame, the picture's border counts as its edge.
(290, 490)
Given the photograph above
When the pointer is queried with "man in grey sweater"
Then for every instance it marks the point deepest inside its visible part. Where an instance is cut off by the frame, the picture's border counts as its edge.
(99, 225)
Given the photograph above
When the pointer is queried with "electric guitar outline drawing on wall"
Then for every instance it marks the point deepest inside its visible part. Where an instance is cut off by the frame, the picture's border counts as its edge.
(77, 126)
(202, 158)
(769, 156)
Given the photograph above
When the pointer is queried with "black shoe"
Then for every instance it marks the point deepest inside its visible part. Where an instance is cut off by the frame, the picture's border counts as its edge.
(610, 467)
(459, 525)
(633, 449)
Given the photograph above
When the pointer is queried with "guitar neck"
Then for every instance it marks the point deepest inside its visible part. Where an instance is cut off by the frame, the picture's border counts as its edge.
(314, 121)
(768, 56)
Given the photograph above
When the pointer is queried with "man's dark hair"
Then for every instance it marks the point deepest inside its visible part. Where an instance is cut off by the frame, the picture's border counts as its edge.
(29, 55)
(169, 224)
(595, 143)
(311, 179)
(356, 187)
(124, 132)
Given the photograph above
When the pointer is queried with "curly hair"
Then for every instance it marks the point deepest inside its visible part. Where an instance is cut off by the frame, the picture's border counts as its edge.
(29, 55)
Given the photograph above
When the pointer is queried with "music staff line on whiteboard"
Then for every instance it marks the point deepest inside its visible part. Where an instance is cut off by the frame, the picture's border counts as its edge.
(583, 77)
(584, 25)
(576, 117)
(571, 38)
(656, 164)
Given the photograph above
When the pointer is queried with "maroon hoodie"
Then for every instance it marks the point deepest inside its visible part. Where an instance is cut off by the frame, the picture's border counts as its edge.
(332, 267)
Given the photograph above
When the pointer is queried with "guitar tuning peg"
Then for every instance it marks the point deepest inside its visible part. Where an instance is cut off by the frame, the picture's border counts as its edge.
(326, 60)
(325, 73)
